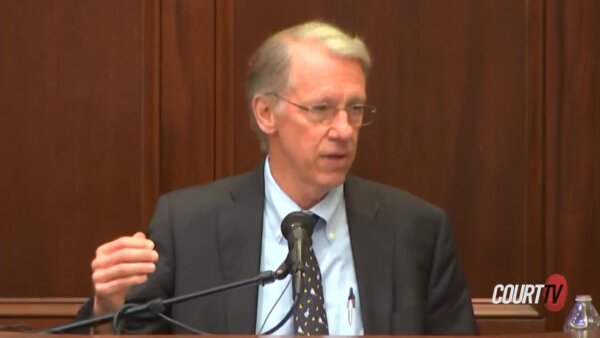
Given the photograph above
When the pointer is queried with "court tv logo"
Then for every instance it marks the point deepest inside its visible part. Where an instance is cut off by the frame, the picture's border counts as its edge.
(552, 294)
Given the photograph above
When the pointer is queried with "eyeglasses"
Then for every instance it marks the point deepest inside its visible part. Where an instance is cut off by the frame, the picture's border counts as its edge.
(359, 115)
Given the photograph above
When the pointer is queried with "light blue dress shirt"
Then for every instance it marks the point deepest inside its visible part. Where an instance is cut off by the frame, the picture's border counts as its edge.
(331, 244)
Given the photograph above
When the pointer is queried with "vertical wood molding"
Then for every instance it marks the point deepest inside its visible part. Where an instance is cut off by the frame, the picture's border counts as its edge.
(551, 141)
(224, 89)
(534, 129)
(150, 109)
(187, 93)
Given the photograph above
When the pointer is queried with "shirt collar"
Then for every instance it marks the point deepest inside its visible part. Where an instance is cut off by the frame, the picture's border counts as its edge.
(279, 204)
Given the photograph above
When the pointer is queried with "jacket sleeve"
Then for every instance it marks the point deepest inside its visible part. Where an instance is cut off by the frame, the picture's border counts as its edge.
(449, 306)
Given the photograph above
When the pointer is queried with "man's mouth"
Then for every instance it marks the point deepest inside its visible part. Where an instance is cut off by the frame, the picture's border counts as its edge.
(335, 156)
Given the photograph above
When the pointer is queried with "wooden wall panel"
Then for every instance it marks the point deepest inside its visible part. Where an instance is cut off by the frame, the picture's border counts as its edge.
(573, 148)
(77, 137)
(187, 95)
(453, 86)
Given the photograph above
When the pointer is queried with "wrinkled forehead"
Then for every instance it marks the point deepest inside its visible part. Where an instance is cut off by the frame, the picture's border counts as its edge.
(312, 64)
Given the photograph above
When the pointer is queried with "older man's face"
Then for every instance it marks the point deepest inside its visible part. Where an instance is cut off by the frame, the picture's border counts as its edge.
(318, 155)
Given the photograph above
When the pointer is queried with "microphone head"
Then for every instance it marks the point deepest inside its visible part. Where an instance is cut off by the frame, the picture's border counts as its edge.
(297, 222)
(297, 228)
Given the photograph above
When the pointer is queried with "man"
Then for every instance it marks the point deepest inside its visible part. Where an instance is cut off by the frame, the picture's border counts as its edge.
(386, 258)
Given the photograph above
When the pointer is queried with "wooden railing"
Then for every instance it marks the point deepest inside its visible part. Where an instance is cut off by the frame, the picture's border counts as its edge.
(46, 312)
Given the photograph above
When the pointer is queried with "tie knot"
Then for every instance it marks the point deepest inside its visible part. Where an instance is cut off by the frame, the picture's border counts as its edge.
(318, 220)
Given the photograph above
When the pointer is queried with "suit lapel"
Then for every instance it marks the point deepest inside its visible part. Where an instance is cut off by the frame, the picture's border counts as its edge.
(240, 224)
(372, 248)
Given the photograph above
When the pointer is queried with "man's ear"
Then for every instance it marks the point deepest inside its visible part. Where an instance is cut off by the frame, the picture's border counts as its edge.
(263, 114)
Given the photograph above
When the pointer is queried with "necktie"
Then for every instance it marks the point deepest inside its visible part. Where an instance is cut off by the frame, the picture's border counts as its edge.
(309, 312)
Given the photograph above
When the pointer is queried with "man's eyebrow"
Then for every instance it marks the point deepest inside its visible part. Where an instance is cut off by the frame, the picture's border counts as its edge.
(325, 99)
(333, 99)
(357, 99)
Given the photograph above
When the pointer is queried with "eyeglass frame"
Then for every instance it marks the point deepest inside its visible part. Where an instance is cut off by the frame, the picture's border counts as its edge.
(367, 109)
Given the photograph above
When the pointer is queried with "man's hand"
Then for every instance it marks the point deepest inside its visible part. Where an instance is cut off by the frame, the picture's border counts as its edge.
(118, 266)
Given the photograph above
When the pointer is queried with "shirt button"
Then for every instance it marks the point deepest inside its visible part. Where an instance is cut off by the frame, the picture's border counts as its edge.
(331, 235)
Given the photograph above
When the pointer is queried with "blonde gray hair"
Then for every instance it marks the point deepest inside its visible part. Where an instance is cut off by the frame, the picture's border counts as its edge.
(269, 66)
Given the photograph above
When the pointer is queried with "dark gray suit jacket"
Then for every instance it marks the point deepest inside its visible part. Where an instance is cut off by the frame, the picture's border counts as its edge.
(408, 274)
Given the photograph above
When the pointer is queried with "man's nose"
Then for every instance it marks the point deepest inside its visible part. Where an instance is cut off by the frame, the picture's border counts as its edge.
(341, 127)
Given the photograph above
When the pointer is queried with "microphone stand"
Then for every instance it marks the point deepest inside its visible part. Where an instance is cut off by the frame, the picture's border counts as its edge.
(158, 305)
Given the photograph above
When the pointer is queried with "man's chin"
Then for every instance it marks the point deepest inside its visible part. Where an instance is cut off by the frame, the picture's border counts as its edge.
(332, 180)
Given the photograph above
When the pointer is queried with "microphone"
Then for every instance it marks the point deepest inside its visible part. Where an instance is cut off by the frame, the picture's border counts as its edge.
(297, 228)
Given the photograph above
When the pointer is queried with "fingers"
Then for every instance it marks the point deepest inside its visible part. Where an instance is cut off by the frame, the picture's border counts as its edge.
(138, 241)
(125, 255)
(122, 272)
(139, 235)
(119, 286)
(119, 265)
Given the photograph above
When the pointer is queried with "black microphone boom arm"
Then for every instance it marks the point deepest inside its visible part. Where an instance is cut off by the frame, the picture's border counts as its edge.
(158, 305)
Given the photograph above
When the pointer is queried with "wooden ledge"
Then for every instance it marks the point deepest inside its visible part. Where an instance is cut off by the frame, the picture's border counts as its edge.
(484, 308)
(64, 307)
(47, 312)
(40, 307)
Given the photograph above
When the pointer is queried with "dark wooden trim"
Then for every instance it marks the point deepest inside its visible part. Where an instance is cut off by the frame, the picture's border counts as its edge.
(534, 129)
(40, 307)
(224, 89)
(150, 110)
